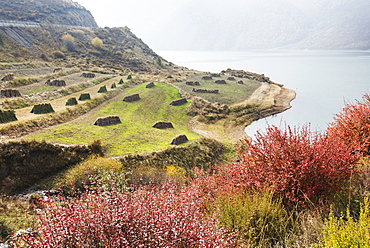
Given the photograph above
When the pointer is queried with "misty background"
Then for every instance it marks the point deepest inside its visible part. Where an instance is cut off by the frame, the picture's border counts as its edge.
(240, 24)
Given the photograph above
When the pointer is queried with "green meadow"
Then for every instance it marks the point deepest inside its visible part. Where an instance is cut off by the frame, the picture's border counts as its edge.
(135, 133)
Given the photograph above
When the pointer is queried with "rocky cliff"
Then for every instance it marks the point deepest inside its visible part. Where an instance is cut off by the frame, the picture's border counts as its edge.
(60, 12)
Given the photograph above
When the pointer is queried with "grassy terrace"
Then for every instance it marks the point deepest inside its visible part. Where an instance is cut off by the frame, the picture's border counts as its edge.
(230, 93)
(135, 133)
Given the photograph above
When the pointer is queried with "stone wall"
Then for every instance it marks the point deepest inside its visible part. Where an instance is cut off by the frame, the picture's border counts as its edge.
(108, 120)
(131, 98)
(7, 116)
(205, 91)
(178, 102)
(207, 78)
(10, 93)
(88, 75)
(150, 85)
(84, 96)
(71, 101)
(55, 82)
(8, 77)
(103, 89)
(179, 139)
(42, 108)
(220, 82)
(196, 83)
(162, 125)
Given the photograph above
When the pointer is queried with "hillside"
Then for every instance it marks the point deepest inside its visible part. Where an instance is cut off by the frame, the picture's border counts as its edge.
(61, 12)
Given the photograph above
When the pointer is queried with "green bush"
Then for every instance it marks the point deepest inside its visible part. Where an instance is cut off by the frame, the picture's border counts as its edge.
(58, 54)
(113, 86)
(120, 81)
(258, 219)
(346, 231)
(22, 81)
(104, 170)
(15, 104)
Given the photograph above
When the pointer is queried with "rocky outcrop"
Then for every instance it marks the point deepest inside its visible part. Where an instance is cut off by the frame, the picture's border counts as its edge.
(231, 78)
(162, 125)
(57, 12)
(55, 82)
(131, 98)
(240, 82)
(206, 91)
(10, 93)
(178, 102)
(108, 120)
(179, 139)
(8, 77)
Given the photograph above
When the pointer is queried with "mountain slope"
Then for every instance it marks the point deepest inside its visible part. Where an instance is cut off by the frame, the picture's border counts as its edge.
(337, 24)
(62, 12)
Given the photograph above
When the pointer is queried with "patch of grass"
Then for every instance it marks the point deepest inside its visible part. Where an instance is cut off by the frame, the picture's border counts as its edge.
(14, 215)
(39, 89)
(135, 133)
(230, 93)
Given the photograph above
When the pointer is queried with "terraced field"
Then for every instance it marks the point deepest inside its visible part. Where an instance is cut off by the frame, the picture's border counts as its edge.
(135, 133)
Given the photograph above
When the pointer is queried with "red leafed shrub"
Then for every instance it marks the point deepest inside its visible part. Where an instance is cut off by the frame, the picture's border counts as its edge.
(352, 124)
(296, 164)
(157, 217)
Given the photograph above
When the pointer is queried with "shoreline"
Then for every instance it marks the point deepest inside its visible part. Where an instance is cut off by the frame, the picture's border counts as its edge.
(276, 98)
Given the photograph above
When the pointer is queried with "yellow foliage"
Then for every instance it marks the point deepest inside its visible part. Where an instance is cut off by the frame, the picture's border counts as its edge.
(97, 43)
(176, 171)
(106, 170)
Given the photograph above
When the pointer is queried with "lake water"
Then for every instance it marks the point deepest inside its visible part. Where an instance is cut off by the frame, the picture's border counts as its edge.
(323, 80)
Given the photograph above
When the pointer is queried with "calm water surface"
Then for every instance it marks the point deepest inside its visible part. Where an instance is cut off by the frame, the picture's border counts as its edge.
(324, 80)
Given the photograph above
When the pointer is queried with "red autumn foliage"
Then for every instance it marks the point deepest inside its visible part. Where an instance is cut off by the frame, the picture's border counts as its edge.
(296, 164)
(155, 217)
(352, 125)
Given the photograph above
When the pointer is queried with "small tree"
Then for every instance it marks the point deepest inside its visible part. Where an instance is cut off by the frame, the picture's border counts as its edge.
(97, 43)
(352, 125)
(69, 42)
